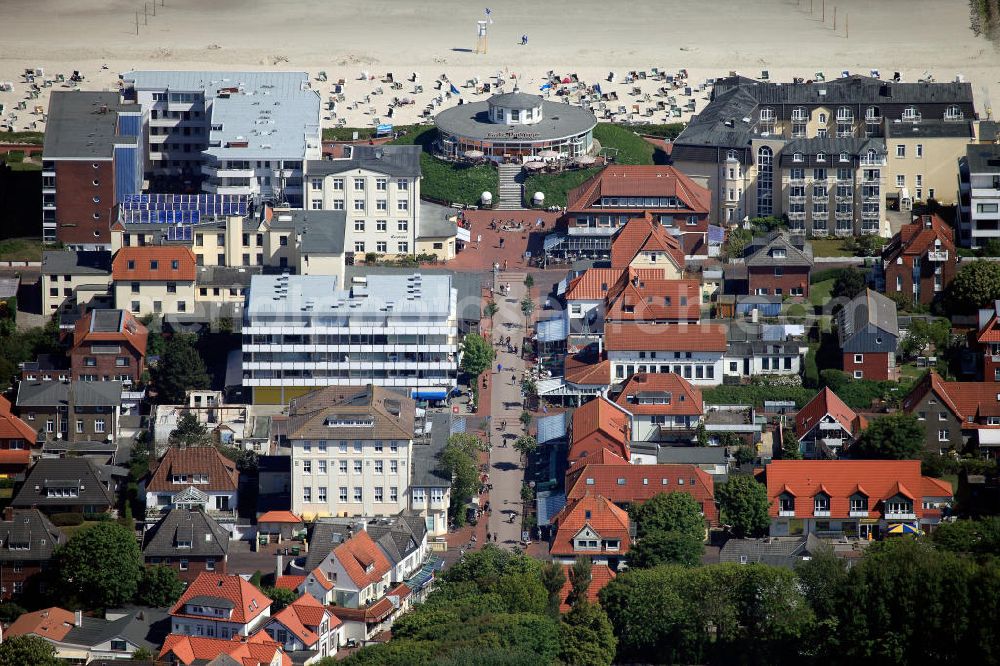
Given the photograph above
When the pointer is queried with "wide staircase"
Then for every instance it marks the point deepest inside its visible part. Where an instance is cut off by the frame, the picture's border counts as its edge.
(511, 190)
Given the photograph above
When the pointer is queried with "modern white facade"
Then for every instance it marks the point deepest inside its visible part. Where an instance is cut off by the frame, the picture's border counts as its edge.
(979, 195)
(303, 331)
(246, 133)
(701, 368)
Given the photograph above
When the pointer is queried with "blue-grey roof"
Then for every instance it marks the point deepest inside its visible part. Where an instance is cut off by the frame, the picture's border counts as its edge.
(78, 394)
(68, 262)
(83, 125)
(427, 470)
(143, 627)
(868, 307)
(774, 551)
(548, 504)
(401, 161)
(559, 121)
(551, 427)
(983, 158)
(207, 537)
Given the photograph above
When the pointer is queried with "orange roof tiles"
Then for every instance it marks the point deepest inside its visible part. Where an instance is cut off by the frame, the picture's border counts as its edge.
(633, 336)
(645, 181)
(600, 514)
(130, 331)
(12, 427)
(154, 263)
(257, 650)
(248, 602)
(824, 403)
(685, 400)
(279, 517)
(287, 582)
(643, 299)
(600, 416)
(362, 559)
(221, 471)
(967, 400)
(52, 623)
(321, 578)
(916, 238)
(644, 234)
(600, 576)
(15, 457)
(881, 480)
(302, 617)
(595, 283)
(585, 370)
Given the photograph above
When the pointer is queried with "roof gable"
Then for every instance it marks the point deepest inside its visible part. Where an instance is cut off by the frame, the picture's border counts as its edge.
(154, 264)
(220, 471)
(644, 234)
(827, 403)
(247, 601)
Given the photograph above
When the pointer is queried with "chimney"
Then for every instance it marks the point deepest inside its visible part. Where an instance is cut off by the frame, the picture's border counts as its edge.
(279, 566)
(8, 513)
(78, 619)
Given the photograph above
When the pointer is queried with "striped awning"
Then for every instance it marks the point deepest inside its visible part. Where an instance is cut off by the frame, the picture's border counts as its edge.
(551, 427)
(552, 330)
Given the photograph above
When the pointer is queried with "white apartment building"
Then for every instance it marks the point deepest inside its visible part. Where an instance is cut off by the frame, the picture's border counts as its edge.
(979, 195)
(693, 351)
(246, 133)
(352, 451)
(302, 332)
(379, 189)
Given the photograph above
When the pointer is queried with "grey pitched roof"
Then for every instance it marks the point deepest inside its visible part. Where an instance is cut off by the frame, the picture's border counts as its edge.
(798, 251)
(831, 148)
(68, 262)
(28, 536)
(850, 90)
(398, 537)
(83, 125)
(983, 158)
(434, 222)
(691, 455)
(94, 483)
(721, 123)
(774, 551)
(78, 447)
(80, 394)
(145, 627)
(206, 600)
(225, 276)
(932, 129)
(868, 307)
(392, 160)
(323, 538)
(515, 100)
(391, 412)
(207, 537)
(427, 471)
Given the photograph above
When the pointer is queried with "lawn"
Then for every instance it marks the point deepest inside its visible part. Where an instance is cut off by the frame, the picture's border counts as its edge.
(448, 181)
(33, 138)
(663, 131)
(819, 293)
(15, 159)
(70, 530)
(21, 249)
(347, 133)
(555, 185)
(830, 247)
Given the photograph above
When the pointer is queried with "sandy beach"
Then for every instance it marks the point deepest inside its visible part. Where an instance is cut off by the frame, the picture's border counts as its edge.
(589, 38)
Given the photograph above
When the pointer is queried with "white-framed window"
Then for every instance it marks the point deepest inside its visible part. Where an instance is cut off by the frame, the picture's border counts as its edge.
(322, 467)
(321, 494)
(307, 467)
(900, 150)
(316, 204)
(859, 374)
(402, 184)
(316, 183)
(359, 184)
(381, 205)
(379, 494)
(99, 425)
(357, 467)
(919, 150)
(403, 205)
(381, 184)
(380, 246)
(359, 225)
(338, 204)
(343, 467)
(403, 247)
(944, 435)
(379, 468)
(393, 494)
(419, 495)
(393, 466)
(338, 183)
(403, 225)
(359, 246)
(359, 204)
(343, 493)
(307, 493)
(900, 180)
(380, 225)
(357, 494)
(859, 358)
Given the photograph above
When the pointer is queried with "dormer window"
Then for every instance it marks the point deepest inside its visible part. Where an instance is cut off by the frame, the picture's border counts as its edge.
(779, 253)
(859, 504)
(786, 504)
(797, 157)
(953, 112)
(821, 505)
(820, 157)
(845, 157)
(911, 113)
(183, 543)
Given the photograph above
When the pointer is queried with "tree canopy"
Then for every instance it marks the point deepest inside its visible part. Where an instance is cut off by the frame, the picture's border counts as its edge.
(190, 431)
(180, 369)
(849, 283)
(896, 436)
(477, 354)
(100, 566)
(976, 285)
(28, 649)
(669, 512)
(159, 587)
(744, 504)
(460, 458)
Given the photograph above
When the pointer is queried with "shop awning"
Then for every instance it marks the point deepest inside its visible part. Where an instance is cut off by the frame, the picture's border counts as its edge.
(552, 241)
(989, 437)
(562, 286)
(552, 330)
(430, 394)
(458, 425)
(463, 234)
(551, 427)
(903, 528)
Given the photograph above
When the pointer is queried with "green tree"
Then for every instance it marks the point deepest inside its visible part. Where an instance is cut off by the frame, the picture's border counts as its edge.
(701, 434)
(10, 612)
(280, 596)
(869, 245)
(99, 567)
(790, 445)
(477, 354)
(491, 310)
(190, 432)
(143, 654)
(849, 283)
(744, 505)
(529, 282)
(159, 587)
(744, 454)
(977, 537)
(669, 512)
(586, 637)
(526, 445)
(180, 369)
(737, 241)
(923, 333)
(246, 460)
(976, 285)
(460, 458)
(658, 548)
(553, 579)
(822, 577)
(580, 578)
(896, 436)
(526, 418)
(527, 307)
(28, 650)
(484, 567)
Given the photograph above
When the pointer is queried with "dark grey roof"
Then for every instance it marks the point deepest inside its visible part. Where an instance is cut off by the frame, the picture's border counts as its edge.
(721, 123)
(398, 537)
(322, 231)
(558, 121)
(44, 362)
(798, 252)
(392, 160)
(79, 394)
(831, 147)
(868, 307)
(691, 455)
(79, 448)
(207, 537)
(427, 471)
(434, 222)
(107, 321)
(983, 158)
(851, 90)
(226, 276)
(28, 536)
(515, 100)
(214, 602)
(932, 129)
(774, 551)
(145, 627)
(95, 483)
(83, 125)
(323, 538)
(988, 130)
(67, 262)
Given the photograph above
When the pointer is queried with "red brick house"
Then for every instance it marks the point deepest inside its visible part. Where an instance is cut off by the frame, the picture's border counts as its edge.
(921, 260)
(108, 345)
(591, 526)
(27, 541)
(16, 440)
(868, 332)
(779, 264)
(826, 426)
(597, 426)
(987, 341)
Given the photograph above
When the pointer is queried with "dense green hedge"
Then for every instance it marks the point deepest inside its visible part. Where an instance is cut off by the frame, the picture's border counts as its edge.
(66, 519)
(756, 395)
(449, 181)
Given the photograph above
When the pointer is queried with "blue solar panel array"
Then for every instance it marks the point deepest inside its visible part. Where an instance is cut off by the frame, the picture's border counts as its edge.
(204, 204)
(161, 216)
(179, 233)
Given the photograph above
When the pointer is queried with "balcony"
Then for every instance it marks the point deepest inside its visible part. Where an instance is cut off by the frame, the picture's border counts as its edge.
(821, 513)
(796, 200)
(872, 162)
(592, 231)
(844, 215)
(797, 215)
(900, 515)
(793, 180)
(858, 513)
(937, 255)
(842, 199)
(786, 513)
(870, 215)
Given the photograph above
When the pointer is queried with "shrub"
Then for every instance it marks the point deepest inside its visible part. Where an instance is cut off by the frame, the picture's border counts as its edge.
(66, 519)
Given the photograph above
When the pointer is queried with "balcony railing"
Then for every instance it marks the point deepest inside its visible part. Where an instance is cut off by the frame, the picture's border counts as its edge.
(796, 200)
(786, 513)
(900, 515)
(870, 214)
(868, 161)
(844, 215)
(938, 255)
(821, 513)
(797, 215)
(858, 513)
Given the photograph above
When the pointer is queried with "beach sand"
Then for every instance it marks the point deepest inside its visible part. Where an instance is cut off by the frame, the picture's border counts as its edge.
(433, 37)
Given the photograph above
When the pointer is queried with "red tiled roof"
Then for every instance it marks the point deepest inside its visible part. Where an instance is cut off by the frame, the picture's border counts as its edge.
(135, 264)
(257, 650)
(600, 415)
(644, 234)
(291, 621)
(321, 578)
(586, 373)
(12, 427)
(685, 400)
(287, 582)
(600, 513)
(600, 576)
(279, 517)
(594, 283)
(918, 237)
(311, 612)
(827, 402)
(975, 400)
(637, 483)
(642, 180)
(248, 602)
(631, 336)
(15, 457)
(52, 623)
(131, 331)
(221, 471)
(880, 479)
(362, 560)
(642, 299)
